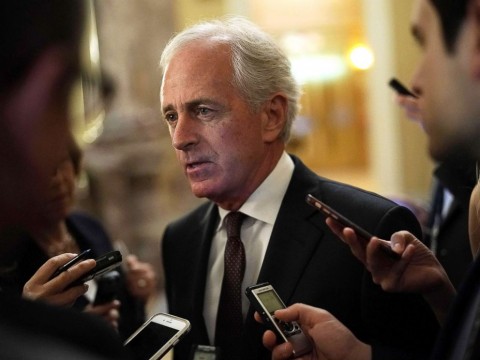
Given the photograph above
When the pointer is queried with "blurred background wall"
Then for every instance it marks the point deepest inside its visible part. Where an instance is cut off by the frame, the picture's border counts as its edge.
(343, 52)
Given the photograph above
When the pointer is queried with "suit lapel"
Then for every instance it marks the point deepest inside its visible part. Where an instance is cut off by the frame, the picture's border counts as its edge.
(295, 236)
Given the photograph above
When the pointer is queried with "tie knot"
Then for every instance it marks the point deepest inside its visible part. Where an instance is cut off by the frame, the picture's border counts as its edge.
(233, 223)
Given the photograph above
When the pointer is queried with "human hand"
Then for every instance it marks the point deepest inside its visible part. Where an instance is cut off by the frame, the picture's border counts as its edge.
(416, 271)
(108, 311)
(141, 279)
(331, 339)
(57, 291)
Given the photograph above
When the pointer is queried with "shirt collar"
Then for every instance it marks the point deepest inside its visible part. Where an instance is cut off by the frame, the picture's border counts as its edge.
(266, 200)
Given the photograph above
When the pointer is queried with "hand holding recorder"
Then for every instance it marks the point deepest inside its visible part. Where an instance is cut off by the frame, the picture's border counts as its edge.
(329, 337)
(266, 302)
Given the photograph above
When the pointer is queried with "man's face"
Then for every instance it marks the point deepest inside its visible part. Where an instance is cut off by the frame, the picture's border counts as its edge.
(218, 139)
(447, 84)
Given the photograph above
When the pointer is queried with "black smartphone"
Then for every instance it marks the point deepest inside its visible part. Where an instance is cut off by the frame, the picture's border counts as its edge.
(266, 301)
(156, 337)
(108, 286)
(400, 88)
(105, 263)
(205, 352)
(328, 211)
(82, 256)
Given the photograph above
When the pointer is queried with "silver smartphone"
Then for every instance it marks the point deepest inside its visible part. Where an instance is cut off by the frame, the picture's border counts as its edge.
(266, 301)
(156, 337)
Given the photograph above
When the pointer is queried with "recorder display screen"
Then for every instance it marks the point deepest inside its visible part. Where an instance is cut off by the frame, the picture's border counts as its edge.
(149, 341)
(271, 301)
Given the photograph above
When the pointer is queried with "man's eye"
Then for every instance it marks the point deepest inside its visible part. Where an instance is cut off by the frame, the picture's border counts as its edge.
(170, 118)
(204, 111)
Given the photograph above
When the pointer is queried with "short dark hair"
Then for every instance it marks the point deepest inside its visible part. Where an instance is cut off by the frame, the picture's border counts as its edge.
(452, 14)
(29, 27)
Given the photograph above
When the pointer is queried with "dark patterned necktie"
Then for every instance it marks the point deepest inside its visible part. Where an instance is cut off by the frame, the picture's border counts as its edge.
(228, 333)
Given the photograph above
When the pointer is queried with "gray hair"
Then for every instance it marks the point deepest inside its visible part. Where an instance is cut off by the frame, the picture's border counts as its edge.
(260, 67)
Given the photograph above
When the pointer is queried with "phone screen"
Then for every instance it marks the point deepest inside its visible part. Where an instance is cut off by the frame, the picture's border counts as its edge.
(148, 341)
(271, 301)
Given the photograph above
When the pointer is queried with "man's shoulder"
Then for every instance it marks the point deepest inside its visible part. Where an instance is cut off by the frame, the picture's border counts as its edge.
(328, 189)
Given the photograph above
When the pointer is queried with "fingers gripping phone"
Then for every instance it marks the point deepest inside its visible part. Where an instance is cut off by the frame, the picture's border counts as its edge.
(362, 233)
(400, 88)
(82, 256)
(156, 336)
(104, 264)
(266, 301)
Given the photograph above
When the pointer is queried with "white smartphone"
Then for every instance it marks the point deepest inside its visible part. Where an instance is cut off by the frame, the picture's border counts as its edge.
(266, 301)
(156, 336)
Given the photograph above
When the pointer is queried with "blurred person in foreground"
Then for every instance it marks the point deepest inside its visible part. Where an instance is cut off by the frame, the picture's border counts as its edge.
(229, 98)
(39, 63)
(448, 81)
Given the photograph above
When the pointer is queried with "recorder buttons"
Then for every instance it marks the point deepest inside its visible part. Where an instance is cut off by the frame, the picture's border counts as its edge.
(289, 328)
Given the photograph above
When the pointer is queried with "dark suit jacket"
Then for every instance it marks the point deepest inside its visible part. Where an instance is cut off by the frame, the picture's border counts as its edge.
(451, 344)
(453, 245)
(306, 263)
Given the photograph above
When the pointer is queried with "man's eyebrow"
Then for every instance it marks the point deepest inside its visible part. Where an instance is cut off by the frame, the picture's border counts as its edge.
(167, 108)
(193, 104)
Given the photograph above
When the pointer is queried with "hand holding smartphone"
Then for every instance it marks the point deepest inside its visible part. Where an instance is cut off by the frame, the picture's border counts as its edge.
(156, 336)
(82, 256)
(362, 233)
(266, 301)
(104, 264)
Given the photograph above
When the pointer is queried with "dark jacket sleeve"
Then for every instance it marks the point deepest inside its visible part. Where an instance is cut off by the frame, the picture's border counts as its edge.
(91, 234)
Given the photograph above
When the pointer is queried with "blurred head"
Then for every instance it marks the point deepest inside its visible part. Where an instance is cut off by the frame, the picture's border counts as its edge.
(229, 99)
(38, 64)
(447, 77)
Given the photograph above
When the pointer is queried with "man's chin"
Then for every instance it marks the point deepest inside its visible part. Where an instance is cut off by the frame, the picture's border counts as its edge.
(199, 190)
(452, 151)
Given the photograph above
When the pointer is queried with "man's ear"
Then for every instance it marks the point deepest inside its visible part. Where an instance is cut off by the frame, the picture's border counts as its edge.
(274, 117)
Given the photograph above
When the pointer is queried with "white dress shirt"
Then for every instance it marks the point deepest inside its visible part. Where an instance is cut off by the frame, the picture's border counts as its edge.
(261, 209)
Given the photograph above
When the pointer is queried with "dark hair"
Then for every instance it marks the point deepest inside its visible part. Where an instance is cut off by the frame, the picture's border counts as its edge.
(29, 27)
(452, 14)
